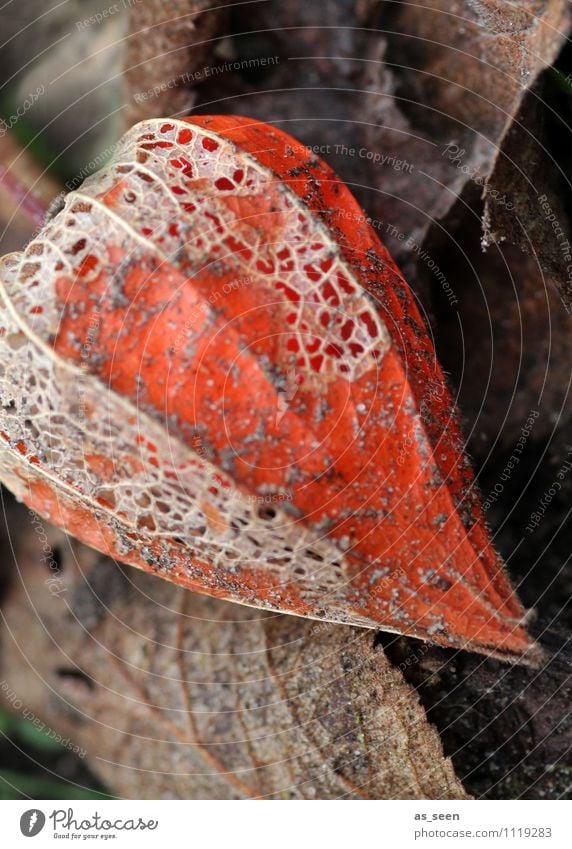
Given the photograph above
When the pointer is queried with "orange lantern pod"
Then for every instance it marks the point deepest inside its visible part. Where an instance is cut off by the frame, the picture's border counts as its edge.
(214, 371)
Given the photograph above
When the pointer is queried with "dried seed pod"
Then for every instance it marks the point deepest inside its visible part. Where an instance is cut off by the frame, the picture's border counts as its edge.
(213, 370)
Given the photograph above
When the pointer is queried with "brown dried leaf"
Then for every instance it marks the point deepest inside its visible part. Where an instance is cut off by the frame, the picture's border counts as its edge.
(167, 42)
(175, 695)
(534, 175)
(403, 81)
(459, 73)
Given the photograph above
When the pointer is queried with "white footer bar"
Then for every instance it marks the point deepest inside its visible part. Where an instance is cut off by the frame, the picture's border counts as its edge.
(288, 825)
